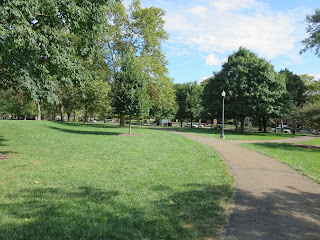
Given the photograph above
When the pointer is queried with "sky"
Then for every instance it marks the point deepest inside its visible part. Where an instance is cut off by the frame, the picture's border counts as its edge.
(203, 33)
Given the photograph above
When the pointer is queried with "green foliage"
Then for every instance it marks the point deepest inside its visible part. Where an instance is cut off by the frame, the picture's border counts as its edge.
(16, 103)
(141, 29)
(252, 88)
(189, 99)
(308, 116)
(129, 92)
(312, 88)
(312, 42)
(39, 41)
(295, 86)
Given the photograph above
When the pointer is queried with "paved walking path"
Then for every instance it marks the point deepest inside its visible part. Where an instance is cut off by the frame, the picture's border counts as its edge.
(272, 201)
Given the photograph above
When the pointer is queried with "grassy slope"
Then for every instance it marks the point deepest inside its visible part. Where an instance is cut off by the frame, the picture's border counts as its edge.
(85, 182)
(233, 135)
(303, 160)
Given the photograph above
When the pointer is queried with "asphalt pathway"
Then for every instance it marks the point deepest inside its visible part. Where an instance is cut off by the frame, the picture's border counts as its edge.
(272, 201)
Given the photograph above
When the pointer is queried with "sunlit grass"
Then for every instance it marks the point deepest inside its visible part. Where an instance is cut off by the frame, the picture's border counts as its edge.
(65, 181)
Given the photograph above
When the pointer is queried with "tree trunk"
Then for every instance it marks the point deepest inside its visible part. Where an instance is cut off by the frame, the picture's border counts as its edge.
(237, 124)
(62, 113)
(180, 122)
(69, 116)
(121, 120)
(85, 116)
(74, 117)
(25, 117)
(242, 124)
(191, 122)
(129, 124)
(39, 111)
(260, 125)
(264, 122)
(212, 120)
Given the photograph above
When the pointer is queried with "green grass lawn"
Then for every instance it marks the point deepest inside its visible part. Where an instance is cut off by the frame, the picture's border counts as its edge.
(315, 142)
(65, 181)
(235, 135)
(306, 161)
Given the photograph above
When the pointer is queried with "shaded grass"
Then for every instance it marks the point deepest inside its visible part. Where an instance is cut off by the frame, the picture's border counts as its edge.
(235, 135)
(306, 161)
(66, 181)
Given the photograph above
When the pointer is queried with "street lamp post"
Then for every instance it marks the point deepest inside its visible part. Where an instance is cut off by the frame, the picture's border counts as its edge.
(223, 94)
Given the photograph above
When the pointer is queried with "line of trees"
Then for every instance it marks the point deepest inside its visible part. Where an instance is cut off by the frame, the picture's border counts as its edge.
(74, 57)
(94, 58)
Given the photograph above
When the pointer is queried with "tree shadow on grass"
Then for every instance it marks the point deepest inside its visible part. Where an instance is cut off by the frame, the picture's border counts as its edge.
(84, 132)
(284, 147)
(91, 213)
(228, 132)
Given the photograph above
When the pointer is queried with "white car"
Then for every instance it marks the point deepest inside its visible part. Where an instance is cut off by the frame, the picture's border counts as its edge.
(194, 125)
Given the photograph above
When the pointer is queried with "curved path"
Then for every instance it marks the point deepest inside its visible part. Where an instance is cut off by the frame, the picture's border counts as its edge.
(272, 201)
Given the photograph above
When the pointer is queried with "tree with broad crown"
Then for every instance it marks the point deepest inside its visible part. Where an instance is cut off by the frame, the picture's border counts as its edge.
(129, 91)
(251, 85)
(36, 46)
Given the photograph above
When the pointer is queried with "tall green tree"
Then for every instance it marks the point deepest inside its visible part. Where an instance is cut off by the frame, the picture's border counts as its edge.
(193, 100)
(129, 90)
(251, 85)
(181, 95)
(36, 46)
(312, 42)
(142, 29)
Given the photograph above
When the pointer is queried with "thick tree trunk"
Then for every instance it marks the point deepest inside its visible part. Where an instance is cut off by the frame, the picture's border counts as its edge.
(69, 116)
(237, 124)
(62, 113)
(25, 117)
(121, 120)
(39, 111)
(129, 124)
(180, 122)
(264, 121)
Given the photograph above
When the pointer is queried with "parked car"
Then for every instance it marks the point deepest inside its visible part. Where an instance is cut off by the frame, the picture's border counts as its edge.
(194, 125)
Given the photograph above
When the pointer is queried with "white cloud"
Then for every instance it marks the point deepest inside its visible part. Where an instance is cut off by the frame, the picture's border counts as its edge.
(317, 76)
(213, 60)
(220, 29)
(224, 5)
(204, 78)
(199, 11)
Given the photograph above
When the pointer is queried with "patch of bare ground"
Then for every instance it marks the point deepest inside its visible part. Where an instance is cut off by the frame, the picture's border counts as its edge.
(128, 135)
(3, 157)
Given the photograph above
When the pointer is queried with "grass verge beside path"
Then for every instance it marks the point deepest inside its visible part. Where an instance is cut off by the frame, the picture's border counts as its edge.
(314, 142)
(65, 181)
(234, 135)
(306, 161)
